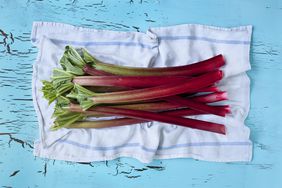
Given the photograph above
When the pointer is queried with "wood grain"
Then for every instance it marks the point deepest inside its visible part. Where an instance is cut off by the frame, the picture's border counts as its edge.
(18, 123)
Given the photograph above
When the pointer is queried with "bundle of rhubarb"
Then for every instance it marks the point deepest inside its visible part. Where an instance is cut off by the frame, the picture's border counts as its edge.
(85, 87)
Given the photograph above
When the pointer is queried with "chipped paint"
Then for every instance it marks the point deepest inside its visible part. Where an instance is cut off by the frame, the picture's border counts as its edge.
(15, 173)
(18, 122)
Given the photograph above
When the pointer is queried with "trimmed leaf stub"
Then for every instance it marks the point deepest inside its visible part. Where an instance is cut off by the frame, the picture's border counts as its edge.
(67, 119)
(49, 91)
(83, 96)
(62, 81)
(72, 62)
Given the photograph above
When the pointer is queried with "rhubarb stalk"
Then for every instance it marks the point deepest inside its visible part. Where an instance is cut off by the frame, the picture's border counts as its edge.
(63, 81)
(216, 110)
(126, 121)
(127, 81)
(88, 98)
(205, 66)
(209, 98)
(65, 117)
(148, 116)
(80, 62)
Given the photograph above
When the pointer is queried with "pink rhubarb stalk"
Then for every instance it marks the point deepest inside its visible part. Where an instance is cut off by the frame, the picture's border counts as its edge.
(209, 98)
(205, 98)
(166, 90)
(216, 110)
(127, 81)
(183, 112)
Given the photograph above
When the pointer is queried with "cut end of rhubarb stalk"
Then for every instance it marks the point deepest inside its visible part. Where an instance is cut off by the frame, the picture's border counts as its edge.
(223, 110)
(221, 74)
(218, 61)
(227, 109)
(220, 58)
(222, 130)
(222, 95)
(210, 98)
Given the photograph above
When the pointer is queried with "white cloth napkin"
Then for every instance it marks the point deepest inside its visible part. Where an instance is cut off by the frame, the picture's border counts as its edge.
(165, 46)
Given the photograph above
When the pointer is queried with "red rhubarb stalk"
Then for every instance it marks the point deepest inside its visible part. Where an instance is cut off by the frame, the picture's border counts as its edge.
(198, 68)
(216, 110)
(127, 81)
(209, 89)
(128, 121)
(154, 92)
(164, 106)
(183, 112)
(171, 110)
(151, 116)
(76, 62)
(105, 89)
(205, 98)
(153, 107)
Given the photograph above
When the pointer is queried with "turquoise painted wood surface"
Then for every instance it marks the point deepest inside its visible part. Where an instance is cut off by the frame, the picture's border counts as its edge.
(18, 124)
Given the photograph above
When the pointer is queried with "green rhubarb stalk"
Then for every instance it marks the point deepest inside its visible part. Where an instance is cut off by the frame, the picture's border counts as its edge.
(104, 123)
(81, 62)
(106, 89)
(208, 65)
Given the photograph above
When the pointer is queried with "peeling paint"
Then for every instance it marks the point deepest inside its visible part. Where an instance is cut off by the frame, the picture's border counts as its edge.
(18, 121)
(15, 173)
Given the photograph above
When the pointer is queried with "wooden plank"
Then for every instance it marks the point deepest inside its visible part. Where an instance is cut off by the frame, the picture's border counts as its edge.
(18, 123)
